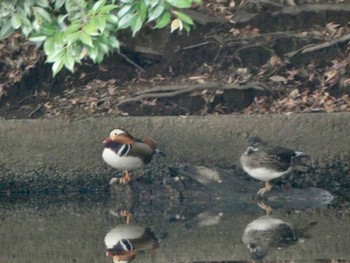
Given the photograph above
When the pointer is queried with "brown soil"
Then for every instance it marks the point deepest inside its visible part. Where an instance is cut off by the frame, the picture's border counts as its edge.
(248, 58)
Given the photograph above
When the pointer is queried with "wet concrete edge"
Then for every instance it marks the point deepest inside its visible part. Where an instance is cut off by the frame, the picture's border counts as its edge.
(64, 146)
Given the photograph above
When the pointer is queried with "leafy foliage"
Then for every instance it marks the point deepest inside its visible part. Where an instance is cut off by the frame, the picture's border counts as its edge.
(71, 30)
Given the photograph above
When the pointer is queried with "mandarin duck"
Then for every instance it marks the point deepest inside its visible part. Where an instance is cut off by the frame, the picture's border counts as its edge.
(267, 232)
(124, 241)
(123, 151)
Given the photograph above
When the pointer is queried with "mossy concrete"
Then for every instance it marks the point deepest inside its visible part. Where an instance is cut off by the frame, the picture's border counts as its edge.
(66, 145)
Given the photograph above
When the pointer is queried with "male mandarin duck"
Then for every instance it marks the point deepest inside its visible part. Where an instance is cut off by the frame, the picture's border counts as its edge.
(125, 241)
(123, 151)
(265, 162)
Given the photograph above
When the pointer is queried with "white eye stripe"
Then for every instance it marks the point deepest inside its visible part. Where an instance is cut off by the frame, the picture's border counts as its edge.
(252, 148)
(117, 132)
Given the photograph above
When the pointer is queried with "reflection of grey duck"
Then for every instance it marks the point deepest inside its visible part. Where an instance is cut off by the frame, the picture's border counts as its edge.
(267, 232)
(124, 241)
(123, 151)
(265, 162)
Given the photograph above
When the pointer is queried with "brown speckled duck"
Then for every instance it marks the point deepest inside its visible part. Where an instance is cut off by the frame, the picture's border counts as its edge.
(266, 162)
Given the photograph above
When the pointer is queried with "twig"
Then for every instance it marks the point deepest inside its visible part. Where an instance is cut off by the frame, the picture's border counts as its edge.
(296, 10)
(179, 106)
(315, 47)
(277, 35)
(20, 102)
(194, 46)
(178, 87)
(326, 44)
(131, 62)
(35, 110)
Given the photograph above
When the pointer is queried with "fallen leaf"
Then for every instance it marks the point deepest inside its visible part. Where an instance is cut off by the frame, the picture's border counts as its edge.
(176, 24)
(3, 92)
(277, 78)
(274, 60)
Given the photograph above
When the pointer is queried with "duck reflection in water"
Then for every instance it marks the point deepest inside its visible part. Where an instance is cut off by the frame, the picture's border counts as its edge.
(126, 240)
(267, 232)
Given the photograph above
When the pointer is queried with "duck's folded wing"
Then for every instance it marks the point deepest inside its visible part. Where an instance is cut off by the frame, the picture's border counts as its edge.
(141, 150)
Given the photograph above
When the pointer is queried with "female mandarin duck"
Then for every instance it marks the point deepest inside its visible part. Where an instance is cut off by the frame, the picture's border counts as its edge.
(123, 151)
(266, 162)
(268, 232)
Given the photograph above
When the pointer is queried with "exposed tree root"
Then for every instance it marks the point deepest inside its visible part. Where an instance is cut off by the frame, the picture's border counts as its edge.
(171, 91)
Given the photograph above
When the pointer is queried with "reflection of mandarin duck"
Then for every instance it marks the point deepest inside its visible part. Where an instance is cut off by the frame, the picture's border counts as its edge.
(265, 162)
(267, 232)
(123, 151)
(124, 241)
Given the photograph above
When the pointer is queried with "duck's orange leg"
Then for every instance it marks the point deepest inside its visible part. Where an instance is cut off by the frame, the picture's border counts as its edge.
(265, 189)
(125, 179)
(127, 215)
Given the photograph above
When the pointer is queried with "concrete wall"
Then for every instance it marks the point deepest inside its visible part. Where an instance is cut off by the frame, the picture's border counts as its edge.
(66, 145)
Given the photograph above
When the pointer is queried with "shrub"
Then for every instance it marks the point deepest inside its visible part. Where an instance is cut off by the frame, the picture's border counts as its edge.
(72, 30)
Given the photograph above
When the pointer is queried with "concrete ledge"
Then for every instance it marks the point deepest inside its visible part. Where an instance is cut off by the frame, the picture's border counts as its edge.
(77, 145)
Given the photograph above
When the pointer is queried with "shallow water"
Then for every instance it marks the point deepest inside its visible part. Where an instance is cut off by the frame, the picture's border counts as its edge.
(305, 225)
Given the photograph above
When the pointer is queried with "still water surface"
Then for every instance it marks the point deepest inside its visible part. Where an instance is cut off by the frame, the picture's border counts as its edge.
(92, 227)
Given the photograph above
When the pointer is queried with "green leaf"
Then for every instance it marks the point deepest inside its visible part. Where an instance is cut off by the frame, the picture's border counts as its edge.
(49, 45)
(6, 29)
(126, 21)
(99, 57)
(113, 19)
(91, 29)
(107, 8)
(37, 39)
(126, 1)
(59, 4)
(93, 53)
(100, 22)
(142, 10)
(184, 18)
(48, 29)
(57, 66)
(42, 3)
(56, 54)
(26, 30)
(151, 3)
(163, 20)
(59, 37)
(114, 42)
(42, 13)
(28, 7)
(98, 5)
(187, 27)
(16, 21)
(69, 61)
(136, 25)
(72, 28)
(180, 3)
(61, 18)
(155, 12)
(71, 38)
(126, 9)
(103, 47)
(85, 38)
